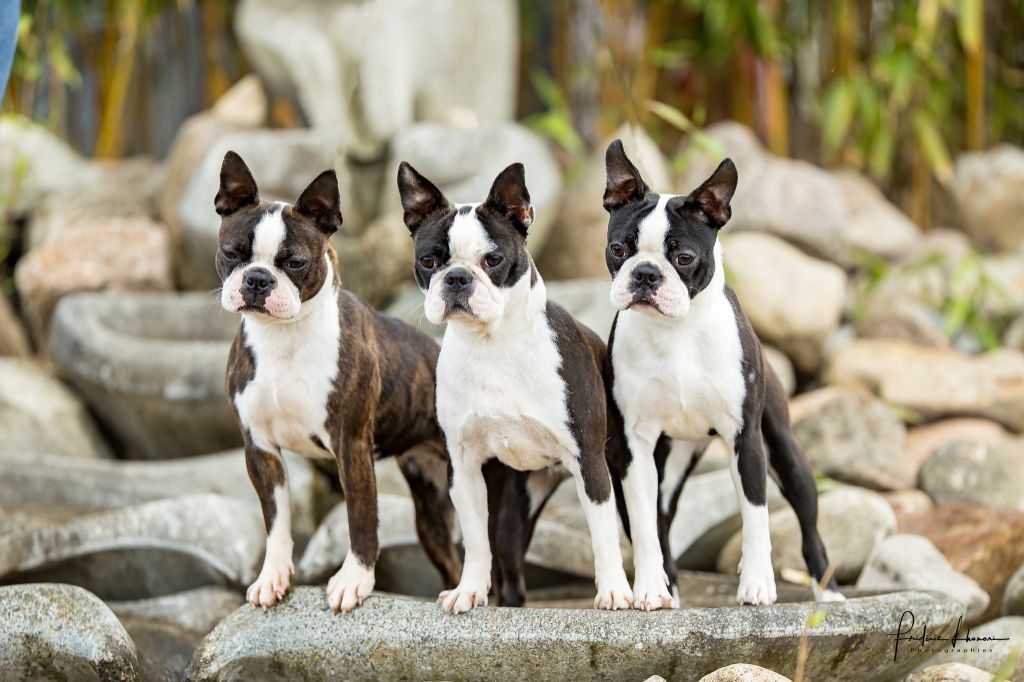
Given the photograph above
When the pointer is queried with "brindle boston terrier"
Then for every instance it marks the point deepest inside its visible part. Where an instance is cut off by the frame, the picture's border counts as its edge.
(686, 366)
(519, 381)
(317, 371)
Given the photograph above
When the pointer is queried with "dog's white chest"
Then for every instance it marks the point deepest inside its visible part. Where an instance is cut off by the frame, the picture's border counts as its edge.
(505, 399)
(285, 403)
(684, 380)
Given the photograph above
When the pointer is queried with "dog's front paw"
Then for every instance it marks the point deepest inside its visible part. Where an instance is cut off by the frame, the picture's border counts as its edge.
(613, 594)
(464, 597)
(271, 584)
(757, 581)
(349, 586)
(650, 593)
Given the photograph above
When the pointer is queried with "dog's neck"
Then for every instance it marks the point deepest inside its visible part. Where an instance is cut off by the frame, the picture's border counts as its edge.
(524, 313)
(313, 313)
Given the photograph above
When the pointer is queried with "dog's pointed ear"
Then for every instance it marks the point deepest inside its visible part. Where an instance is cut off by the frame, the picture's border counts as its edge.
(624, 183)
(510, 198)
(420, 197)
(713, 197)
(321, 201)
(237, 187)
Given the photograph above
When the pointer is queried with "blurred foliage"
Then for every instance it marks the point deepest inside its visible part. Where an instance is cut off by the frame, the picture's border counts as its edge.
(895, 88)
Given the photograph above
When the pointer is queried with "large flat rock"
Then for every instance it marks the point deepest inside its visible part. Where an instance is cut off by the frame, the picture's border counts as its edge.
(400, 638)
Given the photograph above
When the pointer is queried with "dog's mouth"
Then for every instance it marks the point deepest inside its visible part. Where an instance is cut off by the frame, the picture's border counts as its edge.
(457, 309)
(253, 308)
(644, 301)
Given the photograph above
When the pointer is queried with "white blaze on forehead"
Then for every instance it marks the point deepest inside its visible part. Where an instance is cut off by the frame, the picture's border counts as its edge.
(653, 228)
(269, 235)
(467, 238)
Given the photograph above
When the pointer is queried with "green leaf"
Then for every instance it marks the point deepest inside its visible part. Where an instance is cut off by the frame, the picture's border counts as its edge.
(928, 138)
(969, 25)
(668, 113)
(837, 113)
(816, 618)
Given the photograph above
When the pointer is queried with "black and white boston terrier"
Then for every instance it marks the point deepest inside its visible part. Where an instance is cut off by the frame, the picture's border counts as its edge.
(317, 371)
(687, 366)
(518, 379)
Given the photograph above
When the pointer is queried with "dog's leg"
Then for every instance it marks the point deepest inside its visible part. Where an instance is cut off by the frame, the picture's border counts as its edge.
(750, 476)
(355, 580)
(640, 488)
(508, 510)
(425, 468)
(270, 478)
(675, 462)
(469, 495)
(797, 483)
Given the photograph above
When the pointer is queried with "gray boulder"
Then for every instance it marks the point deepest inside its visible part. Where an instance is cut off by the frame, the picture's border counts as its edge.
(152, 366)
(50, 632)
(36, 162)
(744, 672)
(389, 637)
(375, 68)
(935, 383)
(987, 188)
(982, 474)
(38, 414)
(949, 672)
(797, 325)
(58, 487)
(154, 548)
(1013, 597)
(853, 437)
(912, 562)
(851, 522)
(988, 655)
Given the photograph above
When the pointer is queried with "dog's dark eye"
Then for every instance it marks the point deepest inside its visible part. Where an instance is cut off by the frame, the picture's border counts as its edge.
(296, 263)
(428, 262)
(230, 255)
(684, 259)
(493, 260)
(617, 249)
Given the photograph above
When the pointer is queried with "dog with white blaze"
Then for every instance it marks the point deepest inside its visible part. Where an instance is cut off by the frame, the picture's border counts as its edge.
(519, 382)
(317, 371)
(687, 367)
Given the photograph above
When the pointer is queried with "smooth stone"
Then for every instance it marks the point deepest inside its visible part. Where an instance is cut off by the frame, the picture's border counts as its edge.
(36, 161)
(991, 656)
(910, 321)
(1013, 597)
(873, 225)
(949, 672)
(707, 517)
(796, 325)
(908, 502)
(980, 543)
(57, 487)
(391, 637)
(109, 254)
(38, 414)
(924, 440)
(375, 68)
(62, 632)
(934, 383)
(166, 630)
(987, 188)
(852, 437)
(13, 337)
(152, 367)
(851, 522)
(150, 549)
(744, 672)
(912, 562)
(981, 474)
(579, 238)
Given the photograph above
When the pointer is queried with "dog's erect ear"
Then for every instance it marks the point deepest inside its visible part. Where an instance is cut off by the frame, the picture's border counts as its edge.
(713, 197)
(237, 188)
(624, 183)
(510, 198)
(420, 197)
(321, 201)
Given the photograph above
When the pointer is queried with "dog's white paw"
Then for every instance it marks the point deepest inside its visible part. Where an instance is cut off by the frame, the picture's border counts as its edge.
(613, 594)
(757, 581)
(349, 586)
(467, 595)
(271, 584)
(650, 593)
(827, 595)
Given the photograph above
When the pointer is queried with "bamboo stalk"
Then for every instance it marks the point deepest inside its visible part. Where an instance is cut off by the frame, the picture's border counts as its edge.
(974, 69)
(110, 138)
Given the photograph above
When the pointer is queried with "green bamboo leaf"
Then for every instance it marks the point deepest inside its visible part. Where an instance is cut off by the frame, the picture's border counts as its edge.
(837, 113)
(816, 618)
(880, 156)
(927, 21)
(969, 25)
(671, 115)
(930, 141)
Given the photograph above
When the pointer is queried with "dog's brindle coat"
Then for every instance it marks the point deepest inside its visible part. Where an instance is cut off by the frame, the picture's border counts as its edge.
(686, 365)
(376, 375)
(519, 380)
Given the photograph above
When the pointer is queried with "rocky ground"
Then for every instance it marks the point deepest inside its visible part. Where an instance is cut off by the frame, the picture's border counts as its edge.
(129, 529)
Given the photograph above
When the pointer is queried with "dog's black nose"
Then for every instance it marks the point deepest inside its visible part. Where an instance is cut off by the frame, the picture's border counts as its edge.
(646, 274)
(258, 280)
(457, 280)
